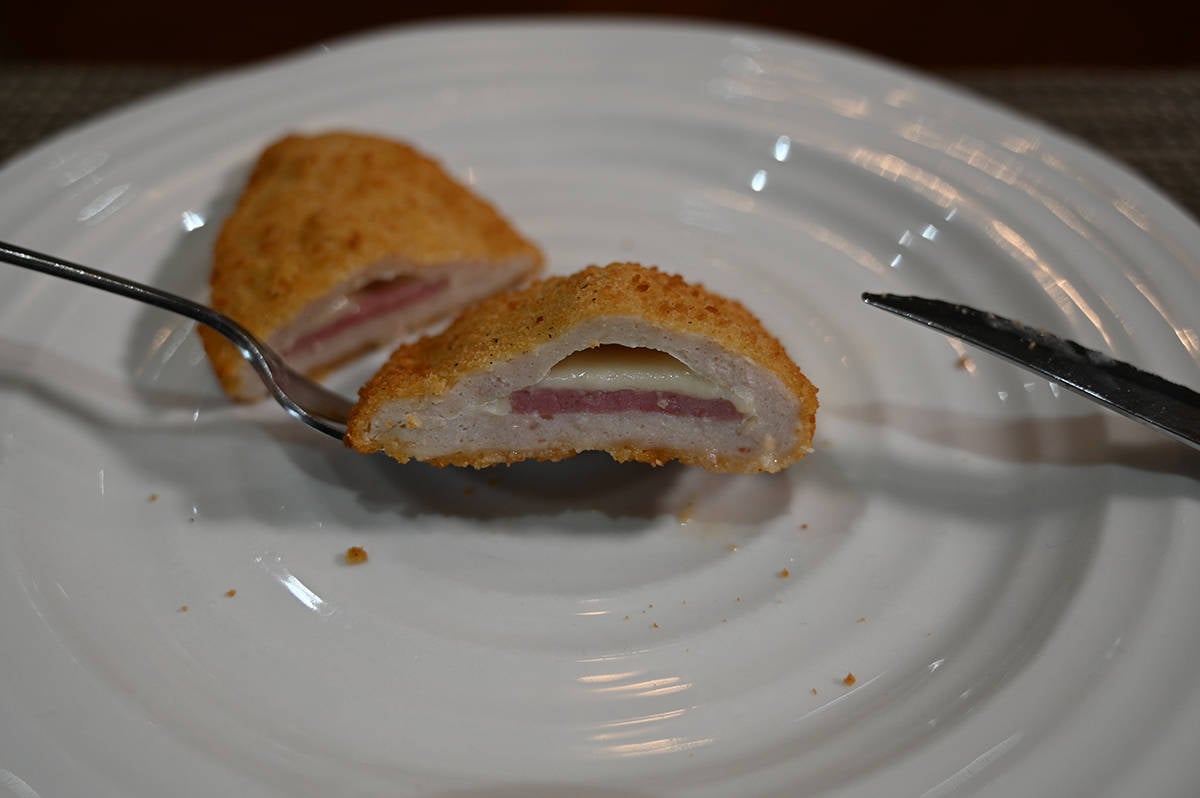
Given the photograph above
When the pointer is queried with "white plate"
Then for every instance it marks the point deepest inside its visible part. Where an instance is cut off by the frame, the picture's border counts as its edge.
(1009, 573)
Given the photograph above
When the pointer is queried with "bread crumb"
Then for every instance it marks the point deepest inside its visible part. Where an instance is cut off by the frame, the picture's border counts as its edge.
(153, 498)
(356, 555)
(230, 593)
(804, 526)
(739, 598)
(1033, 344)
(862, 620)
(849, 680)
(964, 363)
(732, 547)
(626, 618)
(813, 691)
(784, 574)
(183, 608)
(654, 626)
(685, 513)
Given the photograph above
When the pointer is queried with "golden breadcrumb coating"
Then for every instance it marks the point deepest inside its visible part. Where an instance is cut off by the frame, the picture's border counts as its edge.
(319, 209)
(507, 326)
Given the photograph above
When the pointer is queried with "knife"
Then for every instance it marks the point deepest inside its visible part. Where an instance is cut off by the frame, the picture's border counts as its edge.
(1140, 395)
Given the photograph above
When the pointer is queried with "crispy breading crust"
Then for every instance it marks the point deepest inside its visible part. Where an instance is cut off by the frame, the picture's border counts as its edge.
(319, 209)
(509, 325)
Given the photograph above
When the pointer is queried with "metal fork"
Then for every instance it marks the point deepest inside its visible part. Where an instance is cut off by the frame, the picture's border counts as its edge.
(309, 401)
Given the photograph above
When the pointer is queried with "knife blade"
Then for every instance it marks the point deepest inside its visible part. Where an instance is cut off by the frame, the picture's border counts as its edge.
(1115, 384)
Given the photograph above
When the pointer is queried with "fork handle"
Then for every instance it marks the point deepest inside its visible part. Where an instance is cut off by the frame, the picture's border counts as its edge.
(57, 267)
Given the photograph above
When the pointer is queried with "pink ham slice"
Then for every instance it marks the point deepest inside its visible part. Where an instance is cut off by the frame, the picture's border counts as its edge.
(370, 302)
(549, 402)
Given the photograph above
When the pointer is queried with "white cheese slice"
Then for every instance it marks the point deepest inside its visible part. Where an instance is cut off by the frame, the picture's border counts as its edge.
(611, 367)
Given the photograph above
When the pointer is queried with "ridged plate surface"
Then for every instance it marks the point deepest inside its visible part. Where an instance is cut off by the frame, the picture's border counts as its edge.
(1009, 573)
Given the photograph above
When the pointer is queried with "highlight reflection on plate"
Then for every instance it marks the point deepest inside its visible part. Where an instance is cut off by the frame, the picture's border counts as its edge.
(1006, 572)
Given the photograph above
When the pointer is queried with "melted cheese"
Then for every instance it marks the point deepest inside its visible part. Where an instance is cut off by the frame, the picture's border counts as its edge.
(611, 367)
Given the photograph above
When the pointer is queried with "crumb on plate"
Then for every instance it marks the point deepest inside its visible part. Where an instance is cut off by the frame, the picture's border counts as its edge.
(849, 680)
(230, 593)
(784, 574)
(356, 555)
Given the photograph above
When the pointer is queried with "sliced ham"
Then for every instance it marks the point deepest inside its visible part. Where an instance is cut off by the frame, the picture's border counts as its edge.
(550, 402)
(376, 301)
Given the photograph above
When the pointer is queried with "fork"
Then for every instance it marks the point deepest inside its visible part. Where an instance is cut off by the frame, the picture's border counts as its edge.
(306, 400)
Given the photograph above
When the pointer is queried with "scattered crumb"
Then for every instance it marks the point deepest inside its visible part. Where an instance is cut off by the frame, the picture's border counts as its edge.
(192, 520)
(862, 620)
(654, 626)
(685, 513)
(230, 593)
(804, 526)
(153, 498)
(732, 547)
(784, 574)
(627, 617)
(683, 601)
(778, 601)
(1033, 344)
(468, 490)
(813, 691)
(356, 555)
(724, 620)
(739, 598)
(849, 680)
(184, 608)
(651, 606)
(964, 363)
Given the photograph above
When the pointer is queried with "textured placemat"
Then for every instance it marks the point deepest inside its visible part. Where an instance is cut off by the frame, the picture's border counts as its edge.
(1148, 120)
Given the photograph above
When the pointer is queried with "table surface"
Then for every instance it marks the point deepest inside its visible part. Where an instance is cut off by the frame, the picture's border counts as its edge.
(1148, 120)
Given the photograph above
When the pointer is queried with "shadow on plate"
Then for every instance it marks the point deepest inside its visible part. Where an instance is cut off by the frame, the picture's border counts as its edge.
(1076, 441)
(164, 353)
(541, 791)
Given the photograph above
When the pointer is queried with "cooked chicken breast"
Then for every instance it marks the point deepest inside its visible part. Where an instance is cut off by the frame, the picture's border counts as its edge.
(343, 242)
(623, 359)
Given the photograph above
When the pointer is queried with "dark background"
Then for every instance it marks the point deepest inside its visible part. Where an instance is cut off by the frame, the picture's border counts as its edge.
(926, 33)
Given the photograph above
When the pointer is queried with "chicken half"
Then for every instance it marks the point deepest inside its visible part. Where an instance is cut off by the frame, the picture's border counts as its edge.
(623, 359)
(343, 242)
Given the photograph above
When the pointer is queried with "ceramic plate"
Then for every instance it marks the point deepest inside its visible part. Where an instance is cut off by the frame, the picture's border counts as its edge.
(1008, 573)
